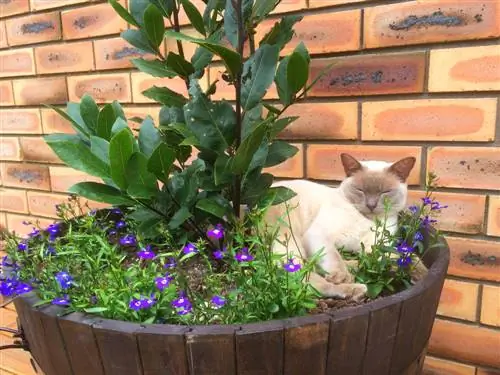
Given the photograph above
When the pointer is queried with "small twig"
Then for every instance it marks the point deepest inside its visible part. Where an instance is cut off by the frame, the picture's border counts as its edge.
(177, 29)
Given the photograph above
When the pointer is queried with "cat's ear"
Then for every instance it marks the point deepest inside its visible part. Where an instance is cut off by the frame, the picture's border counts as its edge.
(403, 167)
(351, 165)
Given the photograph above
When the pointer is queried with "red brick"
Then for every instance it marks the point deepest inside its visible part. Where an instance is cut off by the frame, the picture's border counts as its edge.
(62, 178)
(44, 204)
(458, 300)
(436, 366)
(35, 149)
(475, 259)
(293, 167)
(13, 200)
(47, 4)
(182, 15)
(322, 121)
(290, 5)
(323, 161)
(430, 119)
(490, 310)
(494, 216)
(470, 167)
(483, 371)
(465, 212)
(3, 35)
(115, 53)
(9, 149)
(53, 123)
(20, 121)
(36, 91)
(102, 87)
(17, 62)
(33, 29)
(322, 33)
(15, 223)
(6, 93)
(410, 23)
(92, 21)
(143, 81)
(11, 7)
(32, 176)
(465, 69)
(327, 3)
(68, 57)
(141, 112)
(369, 75)
(3, 221)
(226, 91)
(470, 343)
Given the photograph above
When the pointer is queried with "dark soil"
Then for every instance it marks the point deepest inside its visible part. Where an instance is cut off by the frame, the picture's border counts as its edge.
(328, 305)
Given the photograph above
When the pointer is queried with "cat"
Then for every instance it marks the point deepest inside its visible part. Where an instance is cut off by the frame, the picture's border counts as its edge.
(322, 217)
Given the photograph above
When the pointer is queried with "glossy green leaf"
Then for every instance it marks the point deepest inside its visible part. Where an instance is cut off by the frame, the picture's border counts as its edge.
(118, 126)
(231, 20)
(248, 147)
(281, 194)
(77, 155)
(105, 121)
(256, 186)
(155, 68)
(79, 126)
(138, 39)
(179, 218)
(149, 137)
(194, 16)
(118, 110)
(89, 111)
(297, 72)
(153, 24)
(279, 125)
(161, 161)
(141, 182)
(285, 92)
(100, 148)
(165, 6)
(258, 75)
(281, 33)
(262, 8)
(231, 59)
(213, 207)
(121, 149)
(279, 151)
(179, 65)
(222, 174)
(123, 13)
(100, 193)
(165, 96)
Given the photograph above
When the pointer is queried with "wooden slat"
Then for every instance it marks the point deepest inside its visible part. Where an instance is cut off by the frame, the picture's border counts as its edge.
(211, 350)
(259, 349)
(80, 343)
(382, 330)
(163, 350)
(306, 345)
(118, 347)
(53, 340)
(348, 330)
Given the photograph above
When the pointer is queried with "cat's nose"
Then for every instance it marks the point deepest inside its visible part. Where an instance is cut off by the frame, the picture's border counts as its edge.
(371, 206)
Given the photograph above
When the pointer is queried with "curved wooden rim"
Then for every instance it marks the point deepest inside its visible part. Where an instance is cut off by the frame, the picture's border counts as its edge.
(435, 275)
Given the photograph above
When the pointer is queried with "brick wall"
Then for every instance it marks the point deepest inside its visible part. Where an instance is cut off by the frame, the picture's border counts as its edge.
(417, 78)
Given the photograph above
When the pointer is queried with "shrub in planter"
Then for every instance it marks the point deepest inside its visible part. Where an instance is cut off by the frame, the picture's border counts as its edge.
(177, 248)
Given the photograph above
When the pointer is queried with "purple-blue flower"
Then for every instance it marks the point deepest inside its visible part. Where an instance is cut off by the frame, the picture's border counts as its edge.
(146, 253)
(64, 279)
(163, 282)
(120, 224)
(22, 246)
(128, 240)
(427, 221)
(426, 200)
(293, 265)
(170, 263)
(218, 302)
(148, 302)
(50, 250)
(418, 237)
(404, 261)
(216, 233)
(53, 229)
(436, 206)
(181, 301)
(189, 248)
(6, 262)
(243, 255)
(23, 288)
(116, 211)
(61, 301)
(8, 287)
(135, 304)
(34, 233)
(404, 248)
(413, 209)
(219, 254)
(184, 310)
(141, 304)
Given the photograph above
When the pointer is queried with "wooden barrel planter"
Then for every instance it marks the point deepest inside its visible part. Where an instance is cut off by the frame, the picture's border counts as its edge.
(385, 336)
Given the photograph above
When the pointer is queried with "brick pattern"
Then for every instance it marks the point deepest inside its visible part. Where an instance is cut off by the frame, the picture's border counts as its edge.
(406, 77)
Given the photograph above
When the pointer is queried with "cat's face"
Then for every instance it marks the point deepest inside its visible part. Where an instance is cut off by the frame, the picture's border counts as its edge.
(369, 184)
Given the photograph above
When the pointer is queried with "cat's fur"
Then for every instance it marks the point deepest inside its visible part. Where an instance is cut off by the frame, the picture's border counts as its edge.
(328, 218)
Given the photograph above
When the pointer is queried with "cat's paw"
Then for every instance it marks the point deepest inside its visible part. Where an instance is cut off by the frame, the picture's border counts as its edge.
(359, 292)
(340, 278)
(418, 272)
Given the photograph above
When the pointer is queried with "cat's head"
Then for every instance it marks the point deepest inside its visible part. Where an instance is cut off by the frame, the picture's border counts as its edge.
(369, 183)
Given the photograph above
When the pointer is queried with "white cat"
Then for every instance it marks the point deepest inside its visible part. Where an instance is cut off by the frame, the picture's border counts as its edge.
(328, 218)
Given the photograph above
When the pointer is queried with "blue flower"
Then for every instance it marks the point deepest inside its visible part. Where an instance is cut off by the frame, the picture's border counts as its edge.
(23, 288)
(64, 279)
(92, 213)
(6, 262)
(163, 282)
(426, 201)
(218, 302)
(189, 248)
(184, 310)
(404, 248)
(53, 229)
(50, 250)
(135, 304)
(146, 253)
(181, 301)
(61, 301)
(171, 263)
(243, 256)
(22, 246)
(413, 209)
(293, 265)
(404, 261)
(128, 240)
(418, 237)
(148, 302)
(141, 304)
(116, 211)
(8, 287)
(436, 206)
(120, 224)
(34, 233)
(216, 233)
(219, 254)
(426, 221)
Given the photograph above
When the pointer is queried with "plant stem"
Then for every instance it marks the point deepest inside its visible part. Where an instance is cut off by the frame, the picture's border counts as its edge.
(237, 4)
(177, 29)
